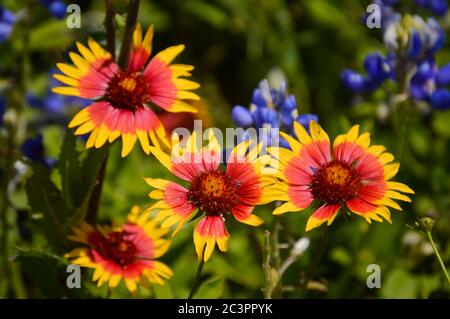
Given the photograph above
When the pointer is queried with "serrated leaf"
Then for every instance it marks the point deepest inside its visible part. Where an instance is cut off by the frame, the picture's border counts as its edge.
(47, 203)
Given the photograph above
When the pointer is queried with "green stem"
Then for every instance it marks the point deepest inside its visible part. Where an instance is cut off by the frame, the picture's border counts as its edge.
(197, 280)
(276, 242)
(130, 25)
(316, 261)
(436, 252)
(94, 200)
(110, 29)
(267, 289)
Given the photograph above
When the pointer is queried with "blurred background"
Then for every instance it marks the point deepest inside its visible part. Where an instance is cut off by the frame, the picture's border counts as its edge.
(233, 45)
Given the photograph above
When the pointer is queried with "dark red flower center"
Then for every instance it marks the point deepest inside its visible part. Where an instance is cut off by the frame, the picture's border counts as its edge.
(335, 183)
(114, 247)
(213, 192)
(127, 90)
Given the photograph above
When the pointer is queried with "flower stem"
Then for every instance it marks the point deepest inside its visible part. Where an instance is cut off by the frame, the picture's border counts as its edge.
(110, 28)
(94, 200)
(436, 252)
(197, 280)
(267, 289)
(128, 32)
(271, 278)
(315, 263)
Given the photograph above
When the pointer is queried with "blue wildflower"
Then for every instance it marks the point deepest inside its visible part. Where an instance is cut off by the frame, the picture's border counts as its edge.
(414, 38)
(2, 109)
(34, 150)
(7, 20)
(305, 118)
(56, 8)
(437, 7)
(378, 70)
(432, 85)
(270, 108)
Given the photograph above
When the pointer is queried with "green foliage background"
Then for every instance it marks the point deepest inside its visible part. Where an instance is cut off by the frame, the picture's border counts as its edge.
(233, 45)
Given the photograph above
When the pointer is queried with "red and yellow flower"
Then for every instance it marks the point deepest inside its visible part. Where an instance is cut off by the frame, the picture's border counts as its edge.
(125, 100)
(353, 174)
(214, 192)
(125, 253)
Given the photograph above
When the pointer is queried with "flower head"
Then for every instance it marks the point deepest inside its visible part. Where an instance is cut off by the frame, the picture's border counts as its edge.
(126, 99)
(214, 192)
(127, 253)
(353, 175)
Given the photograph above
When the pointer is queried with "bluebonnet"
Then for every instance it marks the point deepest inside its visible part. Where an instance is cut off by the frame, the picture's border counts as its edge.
(437, 7)
(432, 85)
(56, 8)
(378, 70)
(2, 109)
(271, 108)
(411, 43)
(414, 38)
(7, 20)
(34, 150)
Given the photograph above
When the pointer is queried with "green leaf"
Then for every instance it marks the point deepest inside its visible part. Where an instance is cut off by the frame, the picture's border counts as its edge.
(53, 34)
(92, 163)
(48, 206)
(70, 171)
(78, 176)
(211, 289)
(48, 273)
